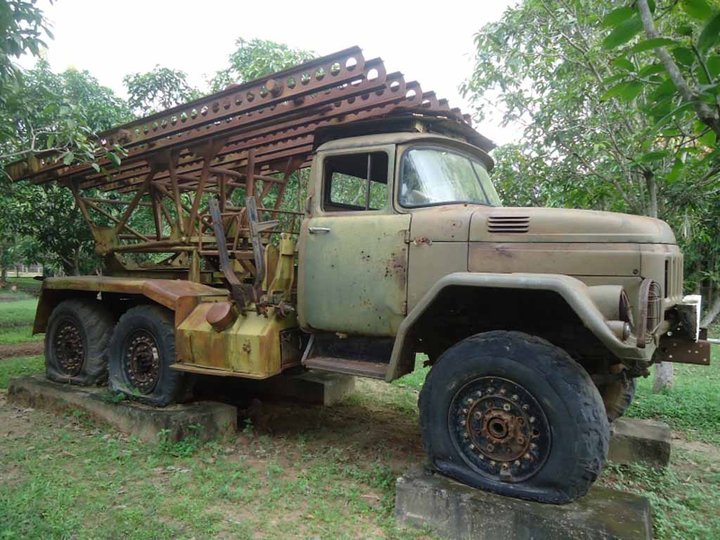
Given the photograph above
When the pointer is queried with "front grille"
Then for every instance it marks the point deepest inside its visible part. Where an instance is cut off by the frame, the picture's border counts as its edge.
(654, 308)
(508, 224)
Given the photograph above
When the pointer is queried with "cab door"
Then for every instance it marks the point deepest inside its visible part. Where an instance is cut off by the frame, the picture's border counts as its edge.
(353, 246)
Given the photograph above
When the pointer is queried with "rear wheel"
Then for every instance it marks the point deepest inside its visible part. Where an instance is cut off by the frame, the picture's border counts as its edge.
(140, 353)
(515, 415)
(77, 335)
(617, 396)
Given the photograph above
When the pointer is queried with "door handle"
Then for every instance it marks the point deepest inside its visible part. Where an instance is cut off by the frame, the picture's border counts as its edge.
(318, 230)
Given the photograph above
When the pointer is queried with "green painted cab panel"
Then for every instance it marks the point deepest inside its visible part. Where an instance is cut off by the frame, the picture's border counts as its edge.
(353, 277)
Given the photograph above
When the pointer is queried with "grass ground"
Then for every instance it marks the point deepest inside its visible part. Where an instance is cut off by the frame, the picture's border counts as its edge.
(302, 471)
(17, 313)
(27, 285)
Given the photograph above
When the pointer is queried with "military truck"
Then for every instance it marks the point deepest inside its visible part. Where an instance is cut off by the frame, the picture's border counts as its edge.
(335, 217)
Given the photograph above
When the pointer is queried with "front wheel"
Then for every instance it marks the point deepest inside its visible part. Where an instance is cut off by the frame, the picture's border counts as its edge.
(140, 353)
(510, 413)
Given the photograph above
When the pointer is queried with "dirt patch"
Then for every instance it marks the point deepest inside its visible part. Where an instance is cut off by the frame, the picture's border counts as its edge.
(709, 451)
(12, 350)
(15, 421)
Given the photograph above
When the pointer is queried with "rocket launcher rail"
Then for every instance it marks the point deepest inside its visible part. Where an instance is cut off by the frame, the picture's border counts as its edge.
(248, 141)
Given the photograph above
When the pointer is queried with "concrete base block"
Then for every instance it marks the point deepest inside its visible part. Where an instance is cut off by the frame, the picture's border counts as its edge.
(206, 420)
(453, 510)
(313, 387)
(640, 441)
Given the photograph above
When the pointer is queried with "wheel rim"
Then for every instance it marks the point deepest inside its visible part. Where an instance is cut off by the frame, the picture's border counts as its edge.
(142, 361)
(499, 429)
(68, 347)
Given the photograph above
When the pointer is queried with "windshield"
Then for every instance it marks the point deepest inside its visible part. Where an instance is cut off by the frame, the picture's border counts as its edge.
(432, 176)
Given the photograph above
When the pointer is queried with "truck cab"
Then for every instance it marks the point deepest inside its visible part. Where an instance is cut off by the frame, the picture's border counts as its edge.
(391, 215)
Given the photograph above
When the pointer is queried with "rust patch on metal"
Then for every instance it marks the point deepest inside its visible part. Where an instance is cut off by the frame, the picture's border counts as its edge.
(683, 351)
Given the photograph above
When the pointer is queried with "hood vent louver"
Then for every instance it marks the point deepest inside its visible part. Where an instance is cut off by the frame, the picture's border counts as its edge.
(508, 224)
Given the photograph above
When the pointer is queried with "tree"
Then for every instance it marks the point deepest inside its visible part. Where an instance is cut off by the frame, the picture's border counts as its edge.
(22, 30)
(254, 59)
(159, 89)
(590, 142)
(677, 63)
(59, 112)
(681, 83)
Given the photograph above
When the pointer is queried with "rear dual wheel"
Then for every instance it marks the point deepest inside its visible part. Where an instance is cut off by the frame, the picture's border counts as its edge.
(76, 338)
(512, 414)
(140, 353)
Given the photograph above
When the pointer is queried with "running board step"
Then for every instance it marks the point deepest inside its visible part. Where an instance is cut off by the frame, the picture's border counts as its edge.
(373, 370)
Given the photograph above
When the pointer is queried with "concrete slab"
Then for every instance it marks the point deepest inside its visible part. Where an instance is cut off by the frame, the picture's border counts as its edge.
(453, 510)
(314, 387)
(646, 442)
(206, 420)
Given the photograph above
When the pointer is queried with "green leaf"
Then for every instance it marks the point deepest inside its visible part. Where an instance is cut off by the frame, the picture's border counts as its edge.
(683, 55)
(607, 81)
(713, 65)
(710, 35)
(114, 159)
(653, 156)
(708, 139)
(622, 33)
(685, 30)
(625, 91)
(653, 43)
(652, 69)
(682, 108)
(624, 63)
(95, 166)
(698, 9)
(68, 158)
(616, 16)
(677, 168)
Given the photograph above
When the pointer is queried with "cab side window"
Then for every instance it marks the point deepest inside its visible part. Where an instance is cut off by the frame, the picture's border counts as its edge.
(356, 182)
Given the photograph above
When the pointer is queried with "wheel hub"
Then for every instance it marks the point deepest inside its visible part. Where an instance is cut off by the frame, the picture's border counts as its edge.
(142, 361)
(69, 350)
(499, 429)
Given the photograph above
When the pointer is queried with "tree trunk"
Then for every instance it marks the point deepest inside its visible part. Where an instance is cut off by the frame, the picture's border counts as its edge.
(651, 185)
(712, 313)
(663, 377)
(76, 262)
(663, 370)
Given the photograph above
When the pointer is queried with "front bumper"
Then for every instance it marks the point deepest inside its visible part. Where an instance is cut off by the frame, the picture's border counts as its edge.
(685, 342)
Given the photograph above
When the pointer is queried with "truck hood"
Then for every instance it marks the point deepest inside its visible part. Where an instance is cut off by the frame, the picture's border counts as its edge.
(565, 225)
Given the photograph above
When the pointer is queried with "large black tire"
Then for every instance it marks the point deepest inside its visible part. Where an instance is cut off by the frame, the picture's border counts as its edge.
(617, 396)
(140, 353)
(76, 339)
(510, 413)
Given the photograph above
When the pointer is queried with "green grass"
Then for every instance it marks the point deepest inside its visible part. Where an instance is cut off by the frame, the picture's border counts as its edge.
(26, 285)
(691, 406)
(17, 313)
(281, 486)
(14, 367)
(684, 497)
(325, 472)
(18, 334)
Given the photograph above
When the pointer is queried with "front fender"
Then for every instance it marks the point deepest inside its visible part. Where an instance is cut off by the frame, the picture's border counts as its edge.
(587, 303)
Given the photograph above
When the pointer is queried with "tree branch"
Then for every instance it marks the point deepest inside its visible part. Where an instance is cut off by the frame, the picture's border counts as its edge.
(704, 112)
